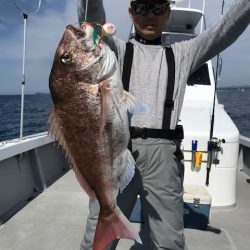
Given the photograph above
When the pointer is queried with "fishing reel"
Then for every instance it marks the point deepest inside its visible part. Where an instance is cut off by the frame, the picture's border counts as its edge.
(213, 148)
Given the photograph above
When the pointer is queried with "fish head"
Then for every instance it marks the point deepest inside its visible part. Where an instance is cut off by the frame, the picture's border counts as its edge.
(81, 57)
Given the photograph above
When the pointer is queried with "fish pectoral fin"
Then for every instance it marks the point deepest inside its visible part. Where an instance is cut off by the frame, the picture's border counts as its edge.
(106, 103)
(129, 171)
(108, 229)
(55, 130)
(134, 105)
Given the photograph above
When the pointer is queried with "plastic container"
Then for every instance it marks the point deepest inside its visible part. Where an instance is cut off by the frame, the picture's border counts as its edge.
(197, 203)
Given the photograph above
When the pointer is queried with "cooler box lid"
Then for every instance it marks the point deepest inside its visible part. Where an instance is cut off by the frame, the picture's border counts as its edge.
(196, 194)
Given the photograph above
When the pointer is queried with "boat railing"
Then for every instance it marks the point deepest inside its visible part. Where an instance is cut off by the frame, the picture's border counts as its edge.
(244, 154)
(28, 166)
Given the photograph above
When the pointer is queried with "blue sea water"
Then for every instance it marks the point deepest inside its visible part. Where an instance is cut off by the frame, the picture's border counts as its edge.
(37, 107)
(36, 111)
(237, 105)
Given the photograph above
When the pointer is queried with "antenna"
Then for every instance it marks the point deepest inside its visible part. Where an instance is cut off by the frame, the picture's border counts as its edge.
(203, 13)
(27, 7)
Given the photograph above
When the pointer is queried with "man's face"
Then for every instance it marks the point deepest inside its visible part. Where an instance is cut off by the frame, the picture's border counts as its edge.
(149, 17)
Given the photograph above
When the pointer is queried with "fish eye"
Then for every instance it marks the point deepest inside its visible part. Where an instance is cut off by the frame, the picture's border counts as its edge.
(65, 58)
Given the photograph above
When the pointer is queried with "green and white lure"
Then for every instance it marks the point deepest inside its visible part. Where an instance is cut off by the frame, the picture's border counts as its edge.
(98, 31)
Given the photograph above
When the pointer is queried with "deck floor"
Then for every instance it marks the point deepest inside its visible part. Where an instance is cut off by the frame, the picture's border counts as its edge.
(55, 221)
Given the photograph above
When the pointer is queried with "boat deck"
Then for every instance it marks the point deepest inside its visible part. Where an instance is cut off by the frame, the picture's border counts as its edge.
(55, 221)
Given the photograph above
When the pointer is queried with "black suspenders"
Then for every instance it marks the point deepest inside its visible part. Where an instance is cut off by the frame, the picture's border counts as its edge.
(169, 103)
(127, 65)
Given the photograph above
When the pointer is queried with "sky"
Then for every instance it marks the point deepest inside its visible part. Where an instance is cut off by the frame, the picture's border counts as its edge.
(45, 29)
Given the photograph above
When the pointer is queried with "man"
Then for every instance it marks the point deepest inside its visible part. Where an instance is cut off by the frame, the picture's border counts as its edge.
(159, 179)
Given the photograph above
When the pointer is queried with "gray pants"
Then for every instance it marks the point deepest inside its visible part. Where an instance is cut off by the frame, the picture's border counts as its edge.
(159, 181)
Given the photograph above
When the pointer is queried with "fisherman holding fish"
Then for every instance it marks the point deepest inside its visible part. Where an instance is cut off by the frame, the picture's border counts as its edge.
(155, 135)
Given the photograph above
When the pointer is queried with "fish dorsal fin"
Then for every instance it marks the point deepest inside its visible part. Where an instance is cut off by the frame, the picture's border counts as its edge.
(129, 171)
(55, 130)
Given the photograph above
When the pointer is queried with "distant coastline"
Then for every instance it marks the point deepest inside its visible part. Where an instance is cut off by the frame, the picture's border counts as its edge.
(37, 93)
(41, 93)
(234, 87)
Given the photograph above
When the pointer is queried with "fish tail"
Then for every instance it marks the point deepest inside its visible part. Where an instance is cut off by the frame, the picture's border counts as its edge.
(109, 229)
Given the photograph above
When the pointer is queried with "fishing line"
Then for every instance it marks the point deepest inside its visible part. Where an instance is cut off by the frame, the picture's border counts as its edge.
(216, 83)
(86, 8)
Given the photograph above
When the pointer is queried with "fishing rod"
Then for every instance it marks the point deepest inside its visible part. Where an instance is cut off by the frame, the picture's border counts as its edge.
(86, 9)
(213, 143)
(21, 5)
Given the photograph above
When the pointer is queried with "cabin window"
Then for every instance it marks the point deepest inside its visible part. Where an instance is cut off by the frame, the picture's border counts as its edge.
(200, 76)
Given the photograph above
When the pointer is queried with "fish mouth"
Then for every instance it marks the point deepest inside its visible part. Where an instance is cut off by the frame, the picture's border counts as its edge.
(82, 37)
(104, 56)
(78, 34)
(76, 31)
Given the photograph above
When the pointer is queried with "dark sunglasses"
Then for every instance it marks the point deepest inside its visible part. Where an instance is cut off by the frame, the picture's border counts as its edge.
(143, 8)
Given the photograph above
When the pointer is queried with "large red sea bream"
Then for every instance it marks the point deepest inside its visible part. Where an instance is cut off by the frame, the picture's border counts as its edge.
(89, 120)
